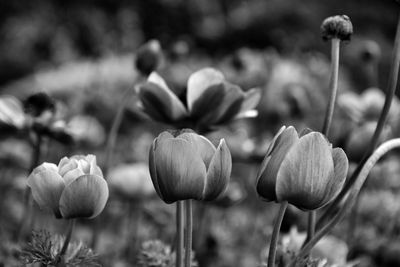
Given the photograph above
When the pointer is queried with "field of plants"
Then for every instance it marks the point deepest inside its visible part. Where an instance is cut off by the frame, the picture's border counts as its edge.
(162, 133)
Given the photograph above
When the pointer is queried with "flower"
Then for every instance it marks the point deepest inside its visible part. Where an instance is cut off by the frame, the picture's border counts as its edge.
(338, 26)
(131, 180)
(75, 188)
(210, 100)
(148, 57)
(301, 169)
(185, 165)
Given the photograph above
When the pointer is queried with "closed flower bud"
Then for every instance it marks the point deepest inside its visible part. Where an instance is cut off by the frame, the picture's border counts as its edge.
(188, 166)
(302, 169)
(337, 27)
(73, 189)
(210, 99)
(148, 57)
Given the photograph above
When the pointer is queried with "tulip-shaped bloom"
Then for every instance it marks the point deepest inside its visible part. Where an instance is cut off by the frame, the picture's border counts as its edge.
(303, 170)
(188, 166)
(73, 189)
(210, 100)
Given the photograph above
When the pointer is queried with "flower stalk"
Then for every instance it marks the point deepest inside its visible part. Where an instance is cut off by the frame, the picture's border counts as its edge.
(70, 229)
(390, 92)
(333, 88)
(189, 228)
(179, 233)
(275, 234)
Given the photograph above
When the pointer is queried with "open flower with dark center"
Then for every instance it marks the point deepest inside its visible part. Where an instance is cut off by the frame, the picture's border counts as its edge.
(302, 169)
(73, 189)
(188, 166)
(210, 100)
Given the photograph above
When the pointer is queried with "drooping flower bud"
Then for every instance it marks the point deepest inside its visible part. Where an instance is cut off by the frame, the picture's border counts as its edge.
(338, 26)
(73, 189)
(188, 166)
(302, 169)
(148, 57)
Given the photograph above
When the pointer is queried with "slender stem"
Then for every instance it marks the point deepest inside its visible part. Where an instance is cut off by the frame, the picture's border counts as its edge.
(71, 225)
(179, 233)
(379, 152)
(189, 228)
(333, 88)
(390, 92)
(333, 85)
(275, 234)
(112, 135)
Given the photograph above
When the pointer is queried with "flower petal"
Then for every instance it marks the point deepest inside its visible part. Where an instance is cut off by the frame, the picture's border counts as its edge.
(218, 173)
(341, 167)
(180, 170)
(47, 187)
(45, 166)
(201, 145)
(159, 101)
(266, 182)
(199, 82)
(66, 164)
(71, 175)
(85, 197)
(305, 172)
(251, 99)
(153, 170)
(208, 102)
(11, 111)
(231, 104)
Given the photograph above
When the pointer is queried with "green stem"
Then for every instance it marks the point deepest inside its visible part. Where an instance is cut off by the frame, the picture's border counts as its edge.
(379, 152)
(275, 234)
(189, 228)
(71, 225)
(390, 92)
(333, 88)
(179, 233)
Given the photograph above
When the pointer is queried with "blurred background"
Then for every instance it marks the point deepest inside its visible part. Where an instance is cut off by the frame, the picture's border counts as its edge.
(82, 53)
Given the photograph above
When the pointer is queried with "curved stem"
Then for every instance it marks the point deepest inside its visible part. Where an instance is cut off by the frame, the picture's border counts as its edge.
(275, 234)
(390, 92)
(333, 88)
(189, 228)
(179, 233)
(71, 225)
(379, 152)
